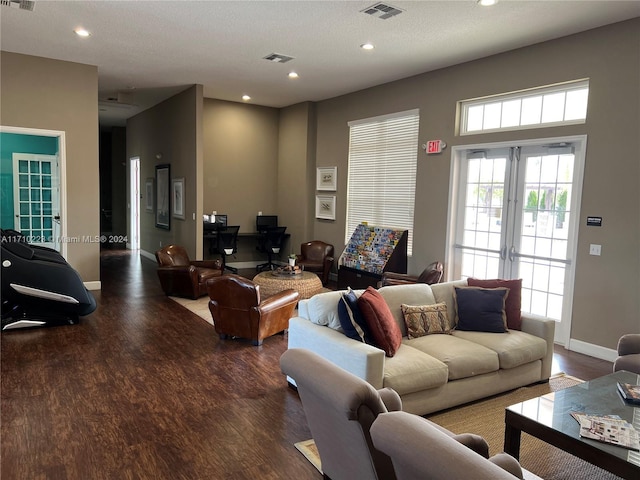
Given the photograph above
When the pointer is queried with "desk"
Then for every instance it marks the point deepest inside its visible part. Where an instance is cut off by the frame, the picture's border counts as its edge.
(247, 243)
(307, 284)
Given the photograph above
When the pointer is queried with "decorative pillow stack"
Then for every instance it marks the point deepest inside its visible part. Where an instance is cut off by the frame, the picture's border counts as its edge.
(424, 320)
(385, 332)
(513, 303)
(481, 309)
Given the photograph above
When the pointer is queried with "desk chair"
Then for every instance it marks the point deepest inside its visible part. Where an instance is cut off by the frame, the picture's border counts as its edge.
(273, 240)
(228, 244)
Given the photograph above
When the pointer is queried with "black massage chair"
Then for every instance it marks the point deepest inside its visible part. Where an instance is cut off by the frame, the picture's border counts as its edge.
(39, 287)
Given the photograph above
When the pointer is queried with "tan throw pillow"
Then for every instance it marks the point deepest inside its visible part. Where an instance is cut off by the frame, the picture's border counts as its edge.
(424, 320)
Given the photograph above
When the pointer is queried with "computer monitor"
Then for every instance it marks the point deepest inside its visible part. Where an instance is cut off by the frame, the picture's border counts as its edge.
(264, 222)
(221, 220)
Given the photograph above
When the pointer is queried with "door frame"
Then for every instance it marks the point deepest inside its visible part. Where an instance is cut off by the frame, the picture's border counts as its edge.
(563, 334)
(62, 171)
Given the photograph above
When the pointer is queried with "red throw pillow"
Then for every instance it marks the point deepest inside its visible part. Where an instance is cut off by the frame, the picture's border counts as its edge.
(384, 329)
(513, 304)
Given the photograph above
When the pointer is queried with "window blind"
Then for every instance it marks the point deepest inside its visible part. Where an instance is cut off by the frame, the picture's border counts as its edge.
(381, 186)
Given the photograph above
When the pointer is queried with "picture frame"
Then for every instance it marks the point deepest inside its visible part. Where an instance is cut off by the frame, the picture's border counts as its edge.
(327, 179)
(326, 207)
(148, 194)
(163, 196)
(177, 197)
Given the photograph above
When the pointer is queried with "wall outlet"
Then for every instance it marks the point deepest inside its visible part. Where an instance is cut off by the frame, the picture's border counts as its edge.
(595, 249)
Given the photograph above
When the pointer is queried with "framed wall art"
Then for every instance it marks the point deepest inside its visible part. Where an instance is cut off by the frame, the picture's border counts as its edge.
(177, 197)
(327, 179)
(163, 196)
(148, 194)
(326, 207)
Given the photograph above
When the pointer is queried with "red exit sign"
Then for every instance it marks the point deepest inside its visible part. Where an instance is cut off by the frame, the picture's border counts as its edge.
(434, 146)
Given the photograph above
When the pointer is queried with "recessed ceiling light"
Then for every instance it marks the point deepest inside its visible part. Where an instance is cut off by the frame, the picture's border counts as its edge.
(246, 98)
(81, 32)
(487, 3)
(293, 75)
(367, 46)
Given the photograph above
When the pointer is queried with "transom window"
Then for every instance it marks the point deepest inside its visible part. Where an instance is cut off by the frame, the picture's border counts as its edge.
(541, 107)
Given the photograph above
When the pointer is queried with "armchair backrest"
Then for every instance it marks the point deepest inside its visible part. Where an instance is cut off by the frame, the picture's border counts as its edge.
(172, 256)
(233, 294)
(316, 250)
(432, 274)
(340, 409)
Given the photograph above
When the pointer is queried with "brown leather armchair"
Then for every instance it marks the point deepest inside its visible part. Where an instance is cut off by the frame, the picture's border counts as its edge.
(182, 277)
(316, 256)
(628, 353)
(432, 274)
(237, 311)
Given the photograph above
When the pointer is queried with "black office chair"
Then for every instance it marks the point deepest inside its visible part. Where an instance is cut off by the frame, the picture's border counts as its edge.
(228, 244)
(273, 240)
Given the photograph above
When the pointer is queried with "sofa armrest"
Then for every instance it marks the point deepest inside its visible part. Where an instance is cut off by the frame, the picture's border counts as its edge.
(629, 344)
(545, 329)
(361, 359)
(391, 399)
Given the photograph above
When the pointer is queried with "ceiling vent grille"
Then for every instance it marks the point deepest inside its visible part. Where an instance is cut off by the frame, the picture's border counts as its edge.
(21, 4)
(278, 58)
(382, 11)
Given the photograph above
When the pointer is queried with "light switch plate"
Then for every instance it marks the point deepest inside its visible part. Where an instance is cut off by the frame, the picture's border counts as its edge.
(595, 249)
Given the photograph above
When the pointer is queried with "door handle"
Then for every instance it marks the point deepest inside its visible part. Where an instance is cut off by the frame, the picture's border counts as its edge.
(503, 252)
(512, 253)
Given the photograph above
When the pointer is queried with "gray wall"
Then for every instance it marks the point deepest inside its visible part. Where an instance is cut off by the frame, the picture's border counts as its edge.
(170, 129)
(67, 101)
(606, 297)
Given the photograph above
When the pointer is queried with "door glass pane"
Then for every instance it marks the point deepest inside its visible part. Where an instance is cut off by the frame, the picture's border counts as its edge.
(35, 166)
(46, 168)
(23, 166)
(23, 180)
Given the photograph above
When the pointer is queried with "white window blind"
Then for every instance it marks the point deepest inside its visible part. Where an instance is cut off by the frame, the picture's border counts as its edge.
(381, 187)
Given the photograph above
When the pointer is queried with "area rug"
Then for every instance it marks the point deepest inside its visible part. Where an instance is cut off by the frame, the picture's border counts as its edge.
(486, 418)
(200, 306)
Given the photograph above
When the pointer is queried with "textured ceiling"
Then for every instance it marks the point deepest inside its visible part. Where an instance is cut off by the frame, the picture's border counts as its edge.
(148, 50)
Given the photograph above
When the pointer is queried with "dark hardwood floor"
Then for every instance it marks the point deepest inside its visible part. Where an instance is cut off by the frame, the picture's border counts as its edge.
(143, 388)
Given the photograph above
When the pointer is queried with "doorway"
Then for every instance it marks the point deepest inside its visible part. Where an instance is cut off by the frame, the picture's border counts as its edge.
(134, 203)
(33, 169)
(515, 214)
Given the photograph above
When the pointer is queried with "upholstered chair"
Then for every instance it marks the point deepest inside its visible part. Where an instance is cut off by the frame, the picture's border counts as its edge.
(181, 277)
(419, 448)
(340, 409)
(238, 310)
(628, 353)
(432, 274)
(316, 256)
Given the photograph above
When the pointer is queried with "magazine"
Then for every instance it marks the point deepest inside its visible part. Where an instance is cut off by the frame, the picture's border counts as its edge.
(630, 393)
(609, 429)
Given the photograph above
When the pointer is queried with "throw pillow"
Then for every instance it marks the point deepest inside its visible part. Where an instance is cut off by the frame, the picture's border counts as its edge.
(514, 300)
(424, 320)
(351, 319)
(481, 309)
(385, 332)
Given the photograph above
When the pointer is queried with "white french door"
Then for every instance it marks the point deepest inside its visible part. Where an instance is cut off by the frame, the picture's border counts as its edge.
(516, 216)
(36, 191)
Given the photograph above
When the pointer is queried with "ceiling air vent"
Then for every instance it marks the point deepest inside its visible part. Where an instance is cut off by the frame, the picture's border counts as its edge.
(382, 11)
(21, 4)
(278, 58)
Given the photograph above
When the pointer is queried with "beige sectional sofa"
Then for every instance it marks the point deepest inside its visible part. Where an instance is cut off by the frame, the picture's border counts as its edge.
(431, 372)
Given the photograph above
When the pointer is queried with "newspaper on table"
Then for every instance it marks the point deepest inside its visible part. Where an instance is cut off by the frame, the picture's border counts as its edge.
(609, 429)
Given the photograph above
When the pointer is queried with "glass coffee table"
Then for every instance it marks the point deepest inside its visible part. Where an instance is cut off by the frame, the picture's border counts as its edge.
(548, 418)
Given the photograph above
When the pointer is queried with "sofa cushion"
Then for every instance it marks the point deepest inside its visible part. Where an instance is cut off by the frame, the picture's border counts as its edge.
(443, 292)
(351, 319)
(411, 371)
(384, 329)
(481, 309)
(513, 305)
(412, 294)
(463, 358)
(323, 309)
(514, 348)
(423, 320)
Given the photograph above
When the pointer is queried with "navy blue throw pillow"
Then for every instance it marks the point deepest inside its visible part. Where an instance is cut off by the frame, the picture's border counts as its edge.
(351, 320)
(481, 309)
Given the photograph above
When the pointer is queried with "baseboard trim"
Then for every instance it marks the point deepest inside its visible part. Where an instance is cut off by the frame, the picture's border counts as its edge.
(592, 350)
(145, 254)
(93, 285)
